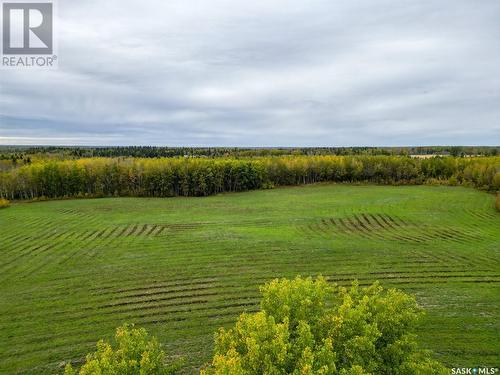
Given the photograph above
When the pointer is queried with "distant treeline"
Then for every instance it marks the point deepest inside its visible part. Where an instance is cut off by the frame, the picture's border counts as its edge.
(8, 152)
(165, 177)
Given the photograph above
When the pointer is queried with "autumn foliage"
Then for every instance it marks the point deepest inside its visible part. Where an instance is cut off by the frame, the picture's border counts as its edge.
(165, 177)
(134, 352)
(308, 327)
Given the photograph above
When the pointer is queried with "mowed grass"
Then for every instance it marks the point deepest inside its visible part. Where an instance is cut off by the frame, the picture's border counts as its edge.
(72, 271)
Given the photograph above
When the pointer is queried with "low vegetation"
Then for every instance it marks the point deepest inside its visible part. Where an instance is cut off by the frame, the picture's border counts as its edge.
(133, 352)
(497, 202)
(4, 203)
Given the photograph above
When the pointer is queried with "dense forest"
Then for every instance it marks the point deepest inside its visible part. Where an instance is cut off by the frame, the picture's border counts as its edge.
(190, 176)
(23, 153)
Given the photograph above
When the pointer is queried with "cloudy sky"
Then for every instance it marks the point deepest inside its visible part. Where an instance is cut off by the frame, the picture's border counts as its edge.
(263, 73)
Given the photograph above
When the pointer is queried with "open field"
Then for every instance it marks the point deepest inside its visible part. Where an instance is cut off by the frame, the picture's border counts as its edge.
(72, 271)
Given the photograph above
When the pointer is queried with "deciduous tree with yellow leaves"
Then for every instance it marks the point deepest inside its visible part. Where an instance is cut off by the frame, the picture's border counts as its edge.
(308, 327)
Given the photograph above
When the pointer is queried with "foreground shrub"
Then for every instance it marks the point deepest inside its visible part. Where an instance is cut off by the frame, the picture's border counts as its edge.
(308, 327)
(134, 353)
(4, 203)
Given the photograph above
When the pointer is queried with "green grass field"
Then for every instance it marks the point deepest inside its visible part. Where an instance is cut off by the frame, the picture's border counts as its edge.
(72, 271)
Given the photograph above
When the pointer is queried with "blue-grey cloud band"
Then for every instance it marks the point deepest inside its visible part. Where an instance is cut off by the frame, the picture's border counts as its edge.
(263, 73)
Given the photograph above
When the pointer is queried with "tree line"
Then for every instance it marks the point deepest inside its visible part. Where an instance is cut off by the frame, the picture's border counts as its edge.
(166, 177)
(61, 152)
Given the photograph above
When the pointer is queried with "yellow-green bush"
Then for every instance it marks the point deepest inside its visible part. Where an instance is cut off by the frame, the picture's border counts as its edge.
(308, 326)
(4, 203)
(134, 352)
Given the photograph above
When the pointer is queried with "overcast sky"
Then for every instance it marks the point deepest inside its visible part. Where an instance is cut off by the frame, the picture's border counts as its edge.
(263, 73)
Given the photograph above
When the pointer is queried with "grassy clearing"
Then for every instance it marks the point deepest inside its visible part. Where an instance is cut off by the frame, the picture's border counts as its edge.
(72, 271)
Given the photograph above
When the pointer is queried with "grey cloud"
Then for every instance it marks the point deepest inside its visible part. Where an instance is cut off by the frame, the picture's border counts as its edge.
(263, 73)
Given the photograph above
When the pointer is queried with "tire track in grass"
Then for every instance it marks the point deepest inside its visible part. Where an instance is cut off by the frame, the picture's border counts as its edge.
(133, 312)
(385, 227)
(86, 338)
(155, 248)
(413, 278)
(14, 263)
